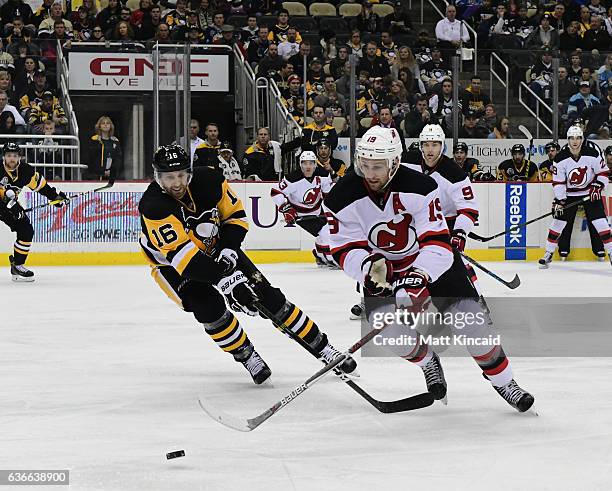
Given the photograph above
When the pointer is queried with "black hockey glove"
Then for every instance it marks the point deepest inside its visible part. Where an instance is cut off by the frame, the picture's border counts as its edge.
(64, 200)
(377, 274)
(227, 259)
(558, 207)
(238, 292)
(16, 209)
(595, 191)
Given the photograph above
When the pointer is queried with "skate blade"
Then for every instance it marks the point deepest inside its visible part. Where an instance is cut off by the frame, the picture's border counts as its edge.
(443, 401)
(544, 266)
(21, 279)
(355, 317)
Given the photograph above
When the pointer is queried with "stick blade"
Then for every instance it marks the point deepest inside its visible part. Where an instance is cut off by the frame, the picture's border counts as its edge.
(418, 401)
(225, 419)
(525, 132)
(515, 283)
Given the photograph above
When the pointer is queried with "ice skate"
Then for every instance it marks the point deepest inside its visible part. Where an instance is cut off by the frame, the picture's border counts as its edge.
(320, 262)
(519, 399)
(546, 260)
(601, 256)
(348, 366)
(563, 255)
(434, 378)
(20, 273)
(257, 368)
(357, 311)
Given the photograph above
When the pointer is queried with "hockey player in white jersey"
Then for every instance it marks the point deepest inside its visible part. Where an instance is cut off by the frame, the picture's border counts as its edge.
(579, 172)
(388, 232)
(299, 197)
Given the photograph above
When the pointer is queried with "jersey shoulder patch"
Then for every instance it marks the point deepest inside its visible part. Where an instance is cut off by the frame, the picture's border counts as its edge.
(294, 176)
(451, 171)
(347, 190)
(407, 180)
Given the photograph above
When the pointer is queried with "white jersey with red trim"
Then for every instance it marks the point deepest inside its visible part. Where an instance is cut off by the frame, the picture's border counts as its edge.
(405, 224)
(459, 204)
(573, 177)
(304, 194)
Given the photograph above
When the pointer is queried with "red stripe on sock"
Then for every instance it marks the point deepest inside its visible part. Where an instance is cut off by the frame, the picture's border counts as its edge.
(499, 369)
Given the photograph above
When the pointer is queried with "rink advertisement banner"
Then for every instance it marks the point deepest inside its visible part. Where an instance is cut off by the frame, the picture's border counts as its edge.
(516, 209)
(134, 72)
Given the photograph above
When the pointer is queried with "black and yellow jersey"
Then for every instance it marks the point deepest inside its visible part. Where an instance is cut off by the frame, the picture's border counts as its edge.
(338, 167)
(527, 171)
(207, 154)
(187, 234)
(25, 176)
(311, 134)
(546, 170)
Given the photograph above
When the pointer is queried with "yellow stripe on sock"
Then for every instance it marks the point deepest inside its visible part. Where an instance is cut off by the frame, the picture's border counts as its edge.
(237, 344)
(307, 329)
(225, 331)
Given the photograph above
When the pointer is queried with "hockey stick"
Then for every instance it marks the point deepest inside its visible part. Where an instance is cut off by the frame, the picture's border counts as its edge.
(56, 201)
(251, 423)
(519, 226)
(529, 136)
(514, 283)
(407, 404)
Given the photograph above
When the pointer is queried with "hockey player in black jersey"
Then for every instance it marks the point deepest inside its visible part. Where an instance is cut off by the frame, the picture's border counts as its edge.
(517, 168)
(470, 165)
(14, 176)
(193, 226)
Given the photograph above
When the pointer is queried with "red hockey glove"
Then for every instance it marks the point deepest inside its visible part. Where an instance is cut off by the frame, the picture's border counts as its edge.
(377, 273)
(289, 212)
(411, 290)
(558, 208)
(458, 238)
(596, 190)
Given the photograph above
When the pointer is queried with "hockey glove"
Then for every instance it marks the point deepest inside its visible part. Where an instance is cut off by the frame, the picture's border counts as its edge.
(64, 200)
(458, 239)
(377, 273)
(558, 207)
(16, 209)
(240, 296)
(411, 291)
(595, 191)
(289, 212)
(227, 259)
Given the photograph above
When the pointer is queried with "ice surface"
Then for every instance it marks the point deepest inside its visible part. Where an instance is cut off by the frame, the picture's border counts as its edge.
(101, 374)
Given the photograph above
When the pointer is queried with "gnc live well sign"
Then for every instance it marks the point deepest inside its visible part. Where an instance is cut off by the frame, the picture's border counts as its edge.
(134, 71)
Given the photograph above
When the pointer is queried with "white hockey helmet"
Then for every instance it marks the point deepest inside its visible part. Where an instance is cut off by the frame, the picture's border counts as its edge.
(307, 156)
(575, 131)
(432, 133)
(379, 143)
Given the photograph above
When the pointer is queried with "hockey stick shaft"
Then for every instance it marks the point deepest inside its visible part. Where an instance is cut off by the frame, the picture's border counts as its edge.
(519, 226)
(407, 404)
(514, 283)
(56, 201)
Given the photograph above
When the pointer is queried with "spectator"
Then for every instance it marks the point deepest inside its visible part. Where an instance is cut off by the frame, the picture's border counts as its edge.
(138, 15)
(298, 60)
(397, 99)
(227, 37)
(608, 99)
(405, 60)
(84, 25)
(262, 161)
(572, 11)
(109, 16)
(206, 153)
(50, 154)
(597, 116)
(282, 76)
(278, 34)
(293, 90)
(20, 44)
(47, 26)
(105, 155)
(330, 95)
(388, 48)
(399, 22)
(213, 31)
(336, 65)
(194, 140)
(177, 17)
(596, 37)
(227, 164)
(270, 63)
(334, 166)
(450, 32)
(540, 75)
(580, 101)
(195, 35)
(8, 63)
(318, 130)
(596, 8)
(206, 12)
(343, 83)
(289, 47)
(149, 24)
(43, 12)
(557, 18)
(567, 88)
(435, 70)
(569, 40)
(385, 119)
(33, 94)
(258, 47)
(237, 7)
(517, 168)
(584, 23)
(5, 106)
(417, 119)
(470, 128)
(587, 76)
(522, 26)
(544, 35)
(49, 108)
(249, 32)
(355, 46)
(162, 36)
(367, 20)
(373, 63)
(441, 104)
(123, 32)
(7, 126)
(422, 47)
(604, 74)
(501, 130)
(575, 68)
(25, 73)
(608, 21)
(6, 85)
(328, 47)
(49, 46)
(16, 8)
(475, 99)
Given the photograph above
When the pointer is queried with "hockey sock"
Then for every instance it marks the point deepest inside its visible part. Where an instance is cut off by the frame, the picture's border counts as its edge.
(227, 333)
(22, 249)
(301, 325)
(473, 278)
(603, 229)
(556, 227)
(495, 366)
(420, 354)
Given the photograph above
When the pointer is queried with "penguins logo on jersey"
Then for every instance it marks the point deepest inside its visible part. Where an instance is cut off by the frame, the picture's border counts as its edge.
(205, 226)
(311, 196)
(578, 176)
(397, 236)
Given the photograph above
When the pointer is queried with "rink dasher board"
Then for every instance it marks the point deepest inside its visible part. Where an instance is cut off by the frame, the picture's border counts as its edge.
(103, 228)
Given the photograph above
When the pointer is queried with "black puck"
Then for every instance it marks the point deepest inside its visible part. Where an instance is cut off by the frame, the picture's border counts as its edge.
(176, 454)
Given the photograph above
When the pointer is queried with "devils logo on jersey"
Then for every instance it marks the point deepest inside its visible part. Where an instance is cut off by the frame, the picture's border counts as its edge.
(577, 177)
(312, 196)
(397, 236)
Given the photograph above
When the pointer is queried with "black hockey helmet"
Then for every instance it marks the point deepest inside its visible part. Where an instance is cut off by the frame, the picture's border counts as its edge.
(11, 147)
(323, 142)
(460, 147)
(518, 148)
(608, 150)
(170, 158)
(551, 145)
(414, 147)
